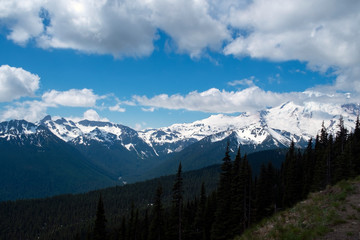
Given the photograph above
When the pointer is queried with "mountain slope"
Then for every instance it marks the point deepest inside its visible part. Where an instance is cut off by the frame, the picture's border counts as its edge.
(34, 163)
(124, 152)
(275, 127)
(330, 214)
(62, 216)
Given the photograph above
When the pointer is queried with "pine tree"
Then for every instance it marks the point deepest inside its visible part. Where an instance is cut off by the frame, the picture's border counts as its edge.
(200, 219)
(341, 160)
(308, 170)
(145, 226)
(289, 176)
(123, 229)
(355, 149)
(222, 221)
(177, 202)
(100, 222)
(266, 192)
(157, 224)
(248, 193)
(320, 168)
(237, 195)
(210, 210)
(132, 223)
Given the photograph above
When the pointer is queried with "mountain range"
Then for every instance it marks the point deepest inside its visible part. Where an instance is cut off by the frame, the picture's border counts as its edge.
(92, 154)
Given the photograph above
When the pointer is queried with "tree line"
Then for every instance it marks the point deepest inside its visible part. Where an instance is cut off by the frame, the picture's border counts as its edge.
(241, 199)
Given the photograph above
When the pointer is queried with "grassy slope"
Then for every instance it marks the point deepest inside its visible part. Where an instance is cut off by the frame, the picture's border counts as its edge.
(330, 214)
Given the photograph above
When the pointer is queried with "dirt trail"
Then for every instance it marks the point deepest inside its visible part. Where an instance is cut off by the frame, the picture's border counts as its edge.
(350, 214)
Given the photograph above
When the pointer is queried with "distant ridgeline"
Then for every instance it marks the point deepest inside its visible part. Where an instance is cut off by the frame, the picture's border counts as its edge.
(230, 199)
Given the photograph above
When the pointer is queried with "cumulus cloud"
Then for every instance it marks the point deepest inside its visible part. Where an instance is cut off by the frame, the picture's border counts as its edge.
(215, 101)
(190, 24)
(72, 98)
(139, 126)
(92, 115)
(247, 82)
(322, 33)
(119, 27)
(35, 110)
(151, 109)
(247, 100)
(16, 83)
(30, 111)
(117, 108)
(22, 18)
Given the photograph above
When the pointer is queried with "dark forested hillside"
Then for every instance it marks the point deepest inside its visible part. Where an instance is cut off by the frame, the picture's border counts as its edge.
(76, 212)
(59, 217)
(47, 168)
(206, 153)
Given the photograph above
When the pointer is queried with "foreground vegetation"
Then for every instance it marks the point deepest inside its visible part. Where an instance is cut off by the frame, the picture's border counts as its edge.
(334, 212)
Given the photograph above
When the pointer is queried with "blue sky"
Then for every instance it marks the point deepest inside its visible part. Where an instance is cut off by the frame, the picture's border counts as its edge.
(155, 63)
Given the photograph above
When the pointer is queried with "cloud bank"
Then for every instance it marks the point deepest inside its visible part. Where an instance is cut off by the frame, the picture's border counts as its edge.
(71, 98)
(247, 100)
(16, 83)
(323, 33)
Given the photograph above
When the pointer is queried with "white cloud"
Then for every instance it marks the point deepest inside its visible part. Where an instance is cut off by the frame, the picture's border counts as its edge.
(72, 98)
(214, 100)
(151, 109)
(16, 83)
(247, 100)
(323, 33)
(92, 115)
(117, 108)
(22, 18)
(35, 110)
(247, 82)
(119, 27)
(139, 126)
(190, 25)
(30, 111)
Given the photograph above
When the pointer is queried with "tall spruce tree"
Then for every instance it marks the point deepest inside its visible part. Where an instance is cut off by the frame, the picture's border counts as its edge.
(145, 226)
(200, 219)
(320, 169)
(237, 195)
(157, 225)
(289, 176)
(248, 193)
(222, 221)
(100, 222)
(308, 170)
(356, 147)
(177, 201)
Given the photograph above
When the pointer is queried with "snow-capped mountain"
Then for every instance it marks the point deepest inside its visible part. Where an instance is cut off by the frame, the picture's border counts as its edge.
(108, 134)
(277, 126)
(21, 132)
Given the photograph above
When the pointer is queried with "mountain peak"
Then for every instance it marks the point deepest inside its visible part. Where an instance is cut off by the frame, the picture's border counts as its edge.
(275, 127)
